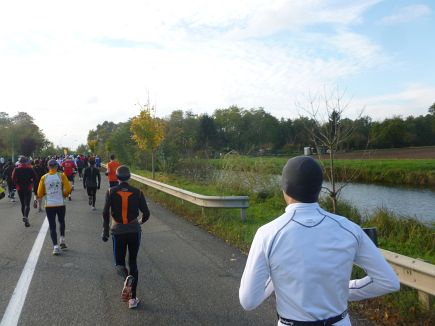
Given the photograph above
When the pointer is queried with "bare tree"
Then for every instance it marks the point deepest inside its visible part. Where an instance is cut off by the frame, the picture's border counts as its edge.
(328, 133)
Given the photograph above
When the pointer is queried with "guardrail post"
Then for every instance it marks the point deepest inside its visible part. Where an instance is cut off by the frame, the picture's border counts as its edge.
(424, 299)
(243, 214)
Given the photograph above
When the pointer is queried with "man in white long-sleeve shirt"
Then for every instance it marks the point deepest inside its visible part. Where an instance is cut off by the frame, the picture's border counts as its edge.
(306, 256)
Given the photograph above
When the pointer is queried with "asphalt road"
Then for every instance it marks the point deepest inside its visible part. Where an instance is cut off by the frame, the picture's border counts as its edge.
(186, 275)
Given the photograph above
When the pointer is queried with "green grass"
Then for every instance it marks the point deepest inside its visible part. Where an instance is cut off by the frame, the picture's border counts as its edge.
(387, 171)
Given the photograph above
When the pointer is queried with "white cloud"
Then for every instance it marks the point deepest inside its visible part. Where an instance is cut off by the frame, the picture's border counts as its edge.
(407, 14)
(413, 100)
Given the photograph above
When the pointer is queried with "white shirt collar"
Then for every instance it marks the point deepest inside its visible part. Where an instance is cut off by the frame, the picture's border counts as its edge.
(302, 205)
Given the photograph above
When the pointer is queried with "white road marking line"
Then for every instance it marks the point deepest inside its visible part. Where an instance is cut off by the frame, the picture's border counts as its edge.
(13, 311)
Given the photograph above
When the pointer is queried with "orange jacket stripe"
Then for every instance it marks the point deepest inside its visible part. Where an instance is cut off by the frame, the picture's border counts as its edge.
(124, 197)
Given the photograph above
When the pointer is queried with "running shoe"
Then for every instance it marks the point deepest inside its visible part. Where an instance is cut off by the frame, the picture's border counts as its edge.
(56, 250)
(69, 197)
(62, 244)
(126, 291)
(26, 222)
(133, 302)
(35, 203)
(93, 208)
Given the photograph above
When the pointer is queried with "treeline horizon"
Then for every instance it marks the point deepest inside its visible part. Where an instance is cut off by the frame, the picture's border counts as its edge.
(246, 131)
(254, 132)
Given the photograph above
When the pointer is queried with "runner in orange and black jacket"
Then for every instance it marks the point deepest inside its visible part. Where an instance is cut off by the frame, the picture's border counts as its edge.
(124, 203)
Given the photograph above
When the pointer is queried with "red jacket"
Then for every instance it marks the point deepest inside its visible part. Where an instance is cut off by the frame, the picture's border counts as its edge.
(68, 167)
(23, 177)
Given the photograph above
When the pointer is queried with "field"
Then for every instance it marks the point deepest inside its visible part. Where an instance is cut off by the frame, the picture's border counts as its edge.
(394, 153)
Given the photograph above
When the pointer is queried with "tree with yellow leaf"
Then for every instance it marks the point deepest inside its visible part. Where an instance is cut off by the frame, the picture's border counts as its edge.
(148, 133)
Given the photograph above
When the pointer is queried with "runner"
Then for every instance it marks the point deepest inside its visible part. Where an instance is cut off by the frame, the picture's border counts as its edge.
(92, 182)
(23, 178)
(98, 161)
(80, 166)
(305, 256)
(123, 203)
(111, 171)
(7, 175)
(55, 187)
(40, 169)
(69, 168)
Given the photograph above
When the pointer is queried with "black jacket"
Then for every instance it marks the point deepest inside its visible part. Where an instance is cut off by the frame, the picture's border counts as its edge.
(123, 204)
(91, 177)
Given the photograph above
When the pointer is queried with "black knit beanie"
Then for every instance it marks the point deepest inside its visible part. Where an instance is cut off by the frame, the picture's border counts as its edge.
(302, 179)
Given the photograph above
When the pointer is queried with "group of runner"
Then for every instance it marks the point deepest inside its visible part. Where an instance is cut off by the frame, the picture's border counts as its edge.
(25, 175)
(53, 180)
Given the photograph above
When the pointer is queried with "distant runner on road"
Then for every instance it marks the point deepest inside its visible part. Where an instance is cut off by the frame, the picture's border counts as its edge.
(7, 176)
(23, 177)
(123, 203)
(40, 169)
(111, 171)
(55, 187)
(92, 181)
(69, 167)
(80, 166)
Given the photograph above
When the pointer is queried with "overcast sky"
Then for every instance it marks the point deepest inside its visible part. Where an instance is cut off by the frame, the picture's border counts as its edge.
(74, 64)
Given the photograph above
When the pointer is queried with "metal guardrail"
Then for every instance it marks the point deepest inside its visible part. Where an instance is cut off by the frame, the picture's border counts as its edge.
(197, 199)
(414, 273)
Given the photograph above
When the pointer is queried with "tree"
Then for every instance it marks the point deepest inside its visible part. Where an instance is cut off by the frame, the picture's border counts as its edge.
(207, 134)
(432, 109)
(19, 134)
(259, 130)
(229, 126)
(148, 132)
(329, 133)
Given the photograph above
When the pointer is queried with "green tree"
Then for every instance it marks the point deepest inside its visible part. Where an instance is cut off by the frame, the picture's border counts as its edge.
(229, 127)
(121, 143)
(259, 130)
(20, 135)
(98, 139)
(207, 138)
(391, 133)
(432, 109)
(148, 133)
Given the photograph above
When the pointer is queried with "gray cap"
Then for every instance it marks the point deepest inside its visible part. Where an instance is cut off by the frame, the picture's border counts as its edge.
(302, 179)
(52, 163)
(123, 173)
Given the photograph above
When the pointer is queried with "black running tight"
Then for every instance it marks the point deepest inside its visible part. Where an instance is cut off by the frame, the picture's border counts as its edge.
(25, 197)
(120, 244)
(51, 216)
(92, 191)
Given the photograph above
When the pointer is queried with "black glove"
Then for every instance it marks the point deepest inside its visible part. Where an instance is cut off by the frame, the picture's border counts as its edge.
(104, 237)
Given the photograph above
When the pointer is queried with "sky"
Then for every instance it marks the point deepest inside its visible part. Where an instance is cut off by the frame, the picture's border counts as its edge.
(74, 64)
